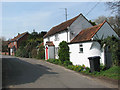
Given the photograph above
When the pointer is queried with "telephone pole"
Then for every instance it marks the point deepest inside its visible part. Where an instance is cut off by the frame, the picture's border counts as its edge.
(65, 13)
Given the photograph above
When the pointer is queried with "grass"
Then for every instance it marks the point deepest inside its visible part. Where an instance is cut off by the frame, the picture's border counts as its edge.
(112, 72)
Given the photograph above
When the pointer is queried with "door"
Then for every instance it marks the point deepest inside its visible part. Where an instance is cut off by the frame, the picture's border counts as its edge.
(46, 53)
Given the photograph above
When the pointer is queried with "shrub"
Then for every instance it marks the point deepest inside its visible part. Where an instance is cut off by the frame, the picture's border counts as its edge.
(112, 43)
(70, 67)
(34, 53)
(21, 52)
(66, 63)
(41, 53)
(63, 51)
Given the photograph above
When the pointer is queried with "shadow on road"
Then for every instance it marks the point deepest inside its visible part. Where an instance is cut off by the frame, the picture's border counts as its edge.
(16, 71)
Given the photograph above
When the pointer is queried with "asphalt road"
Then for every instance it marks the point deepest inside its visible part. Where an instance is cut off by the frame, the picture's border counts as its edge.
(32, 73)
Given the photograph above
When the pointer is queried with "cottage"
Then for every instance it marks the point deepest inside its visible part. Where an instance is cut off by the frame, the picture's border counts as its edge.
(65, 31)
(81, 37)
(85, 45)
(15, 42)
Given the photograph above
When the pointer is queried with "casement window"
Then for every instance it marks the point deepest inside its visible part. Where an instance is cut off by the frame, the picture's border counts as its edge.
(56, 50)
(80, 48)
(56, 37)
(48, 38)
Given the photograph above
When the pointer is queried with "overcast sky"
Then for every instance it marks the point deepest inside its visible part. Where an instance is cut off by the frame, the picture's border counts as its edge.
(19, 17)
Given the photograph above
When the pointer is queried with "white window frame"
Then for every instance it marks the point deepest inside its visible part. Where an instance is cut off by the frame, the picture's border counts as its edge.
(48, 38)
(56, 50)
(56, 37)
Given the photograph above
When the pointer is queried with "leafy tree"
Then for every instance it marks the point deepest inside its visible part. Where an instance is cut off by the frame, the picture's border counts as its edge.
(28, 47)
(113, 44)
(41, 52)
(93, 23)
(63, 51)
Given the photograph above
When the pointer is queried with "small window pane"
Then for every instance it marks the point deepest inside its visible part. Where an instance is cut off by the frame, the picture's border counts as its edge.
(81, 49)
(81, 45)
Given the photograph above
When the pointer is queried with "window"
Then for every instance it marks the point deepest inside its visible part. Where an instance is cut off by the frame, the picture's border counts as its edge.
(48, 38)
(56, 37)
(56, 50)
(81, 48)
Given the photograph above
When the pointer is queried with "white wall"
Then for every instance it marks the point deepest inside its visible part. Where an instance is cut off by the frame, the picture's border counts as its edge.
(89, 49)
(62, 37)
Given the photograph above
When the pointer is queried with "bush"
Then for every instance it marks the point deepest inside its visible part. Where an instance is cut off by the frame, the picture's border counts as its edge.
(41, 53)
(21, 52)
(66, 63)
(34, 53)
(63, 51)
(70, 67)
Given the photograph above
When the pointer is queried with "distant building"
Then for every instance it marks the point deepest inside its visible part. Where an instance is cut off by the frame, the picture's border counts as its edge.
(15, 42)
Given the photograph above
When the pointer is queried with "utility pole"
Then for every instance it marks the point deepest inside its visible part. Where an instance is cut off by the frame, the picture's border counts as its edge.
(65, 13)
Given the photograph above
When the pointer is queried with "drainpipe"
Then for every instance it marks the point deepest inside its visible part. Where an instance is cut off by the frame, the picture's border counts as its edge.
(67, 32)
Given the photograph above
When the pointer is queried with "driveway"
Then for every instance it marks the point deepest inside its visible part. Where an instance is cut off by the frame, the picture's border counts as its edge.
(33, 73)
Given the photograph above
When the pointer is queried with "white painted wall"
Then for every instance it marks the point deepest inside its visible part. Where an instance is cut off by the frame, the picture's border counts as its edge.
(62, 37)
(89, 49)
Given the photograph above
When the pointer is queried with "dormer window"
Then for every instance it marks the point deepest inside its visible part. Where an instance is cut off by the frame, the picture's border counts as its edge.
(81, 48)
(56, 37)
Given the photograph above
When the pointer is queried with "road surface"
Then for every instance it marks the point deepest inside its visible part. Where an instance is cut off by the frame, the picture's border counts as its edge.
(33, 73)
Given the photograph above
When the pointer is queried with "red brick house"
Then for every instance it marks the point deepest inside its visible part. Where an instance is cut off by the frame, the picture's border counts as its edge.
(15, 42)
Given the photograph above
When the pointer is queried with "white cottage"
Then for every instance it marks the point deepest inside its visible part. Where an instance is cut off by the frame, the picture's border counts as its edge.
(84, 45)
(81, 36)
(65, 31)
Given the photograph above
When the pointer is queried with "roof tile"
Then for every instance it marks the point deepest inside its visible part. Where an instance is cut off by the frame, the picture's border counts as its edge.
(61, 27)
(18, 36)
(87, 34)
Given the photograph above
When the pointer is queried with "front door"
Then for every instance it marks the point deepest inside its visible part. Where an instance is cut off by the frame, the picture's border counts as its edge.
(46, 53)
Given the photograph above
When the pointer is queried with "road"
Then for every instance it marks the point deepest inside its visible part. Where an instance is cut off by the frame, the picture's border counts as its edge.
(33, 73)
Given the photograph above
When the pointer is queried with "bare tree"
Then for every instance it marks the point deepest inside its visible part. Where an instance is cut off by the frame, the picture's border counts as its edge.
(114, 22)
(100, 19)
(114, 6)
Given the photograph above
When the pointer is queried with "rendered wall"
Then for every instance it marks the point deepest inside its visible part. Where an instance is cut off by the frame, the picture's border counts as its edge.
(89, 49)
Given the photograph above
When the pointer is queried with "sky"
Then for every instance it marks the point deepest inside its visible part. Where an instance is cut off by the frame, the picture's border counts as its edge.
(19, 17)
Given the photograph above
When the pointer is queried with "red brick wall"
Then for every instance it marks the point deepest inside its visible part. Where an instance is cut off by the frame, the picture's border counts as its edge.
(18, 42)
(22, 39)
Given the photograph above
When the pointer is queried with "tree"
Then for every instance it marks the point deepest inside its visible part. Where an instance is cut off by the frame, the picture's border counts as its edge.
(114, 6)
(112, 43)
(100, 19)
(93, 23)
(41, 52)
(114, 22)
(63, 51)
